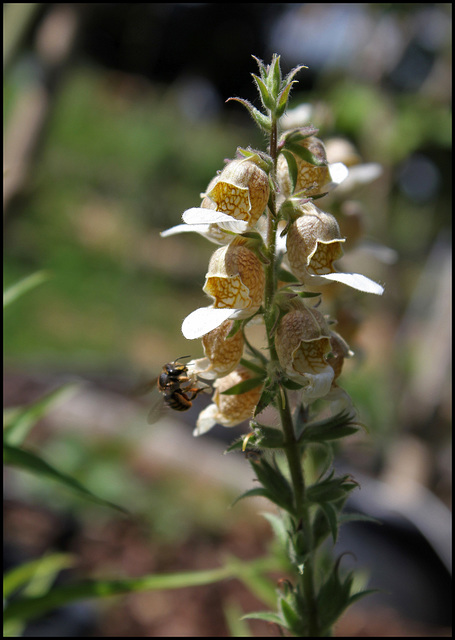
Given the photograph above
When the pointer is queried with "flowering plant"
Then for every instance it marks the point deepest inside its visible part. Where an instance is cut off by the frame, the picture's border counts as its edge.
(276, 247)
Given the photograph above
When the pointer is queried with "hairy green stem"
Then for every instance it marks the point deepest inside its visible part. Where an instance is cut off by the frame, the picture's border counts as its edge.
(291, 447)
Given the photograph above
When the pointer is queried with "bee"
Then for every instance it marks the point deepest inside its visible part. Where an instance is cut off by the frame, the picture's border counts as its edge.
(171, 390)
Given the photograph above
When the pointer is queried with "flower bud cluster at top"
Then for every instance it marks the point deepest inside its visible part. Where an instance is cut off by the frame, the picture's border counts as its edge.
(274, 240)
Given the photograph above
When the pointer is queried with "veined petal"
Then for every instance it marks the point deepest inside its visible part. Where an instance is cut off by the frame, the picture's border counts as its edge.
(354, 280)
(204, 320)
(199, 216)
(185, 228)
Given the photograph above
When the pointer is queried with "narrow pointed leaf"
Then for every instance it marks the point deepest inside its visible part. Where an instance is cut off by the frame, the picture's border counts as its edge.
(267, 397)
(269, 438)
(262, 68)
(274, 78)
(31, 462)
(332, 518)
(293, 72)
(21, 575)
(253, 493)
(266, 99)
(17, 290)
(260, 119)
(18, 423)
(283, 99)
(292, 167)
(26, 608)
(267, 616)
(305, 154)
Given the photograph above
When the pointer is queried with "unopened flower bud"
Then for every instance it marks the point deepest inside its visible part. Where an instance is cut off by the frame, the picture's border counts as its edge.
(313, 243)
(302, 343)
(229, 410)
(311, 178)
(241, 190)
(235, 278)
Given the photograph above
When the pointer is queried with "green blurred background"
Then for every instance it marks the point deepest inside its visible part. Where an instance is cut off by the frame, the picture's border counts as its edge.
(114, 122)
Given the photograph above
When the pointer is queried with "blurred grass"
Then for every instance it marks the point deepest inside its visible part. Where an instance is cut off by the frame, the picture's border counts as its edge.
(115, 169)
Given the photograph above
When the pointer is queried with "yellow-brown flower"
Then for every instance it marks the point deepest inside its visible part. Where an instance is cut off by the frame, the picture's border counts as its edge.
(302, 343)
(229, 410)
(313, 244)
(241, 190)
(235, 278)
(222, 353)
(311, 178)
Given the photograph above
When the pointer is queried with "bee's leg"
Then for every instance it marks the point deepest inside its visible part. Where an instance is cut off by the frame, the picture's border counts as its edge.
(195, 392)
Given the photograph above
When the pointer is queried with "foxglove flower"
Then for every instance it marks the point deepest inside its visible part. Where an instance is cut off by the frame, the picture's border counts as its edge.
(302, 343)
(229, 410)
(233, 203)
(222, 353)
(313, 244)
(312, 179)
(235, 280)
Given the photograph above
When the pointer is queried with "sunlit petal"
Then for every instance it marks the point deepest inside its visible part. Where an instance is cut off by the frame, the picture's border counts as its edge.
(198, 216)
(203, 320)
(354, 280)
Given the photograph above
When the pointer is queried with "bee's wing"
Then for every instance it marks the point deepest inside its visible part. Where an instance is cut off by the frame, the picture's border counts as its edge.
(145, 387)
(157, 406)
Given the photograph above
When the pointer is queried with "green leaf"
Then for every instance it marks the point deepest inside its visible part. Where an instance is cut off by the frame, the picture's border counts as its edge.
(305, 154)
(321, 528)
(48, 566)
(329, 490)
(276, 485)
(292, 167)
(260, 119)
(286, 276)
(361, 594)
(279, 528)
(290, 616)
(357, 517)
(17, 290)
(332, 518)
(267, 397)
(266, 98)
(332, 428)
(291, 384)
(295, 621)
(267, 616)
(31, 462)
(274, 77)
(252, 366)
(269, 438)
(262, 67)
(296, 135)
(26, 608)
(253, 493)
(283, 99)
(244, 386)
(236, 326)
(290, 76)
(236, 625)
(18, 423)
